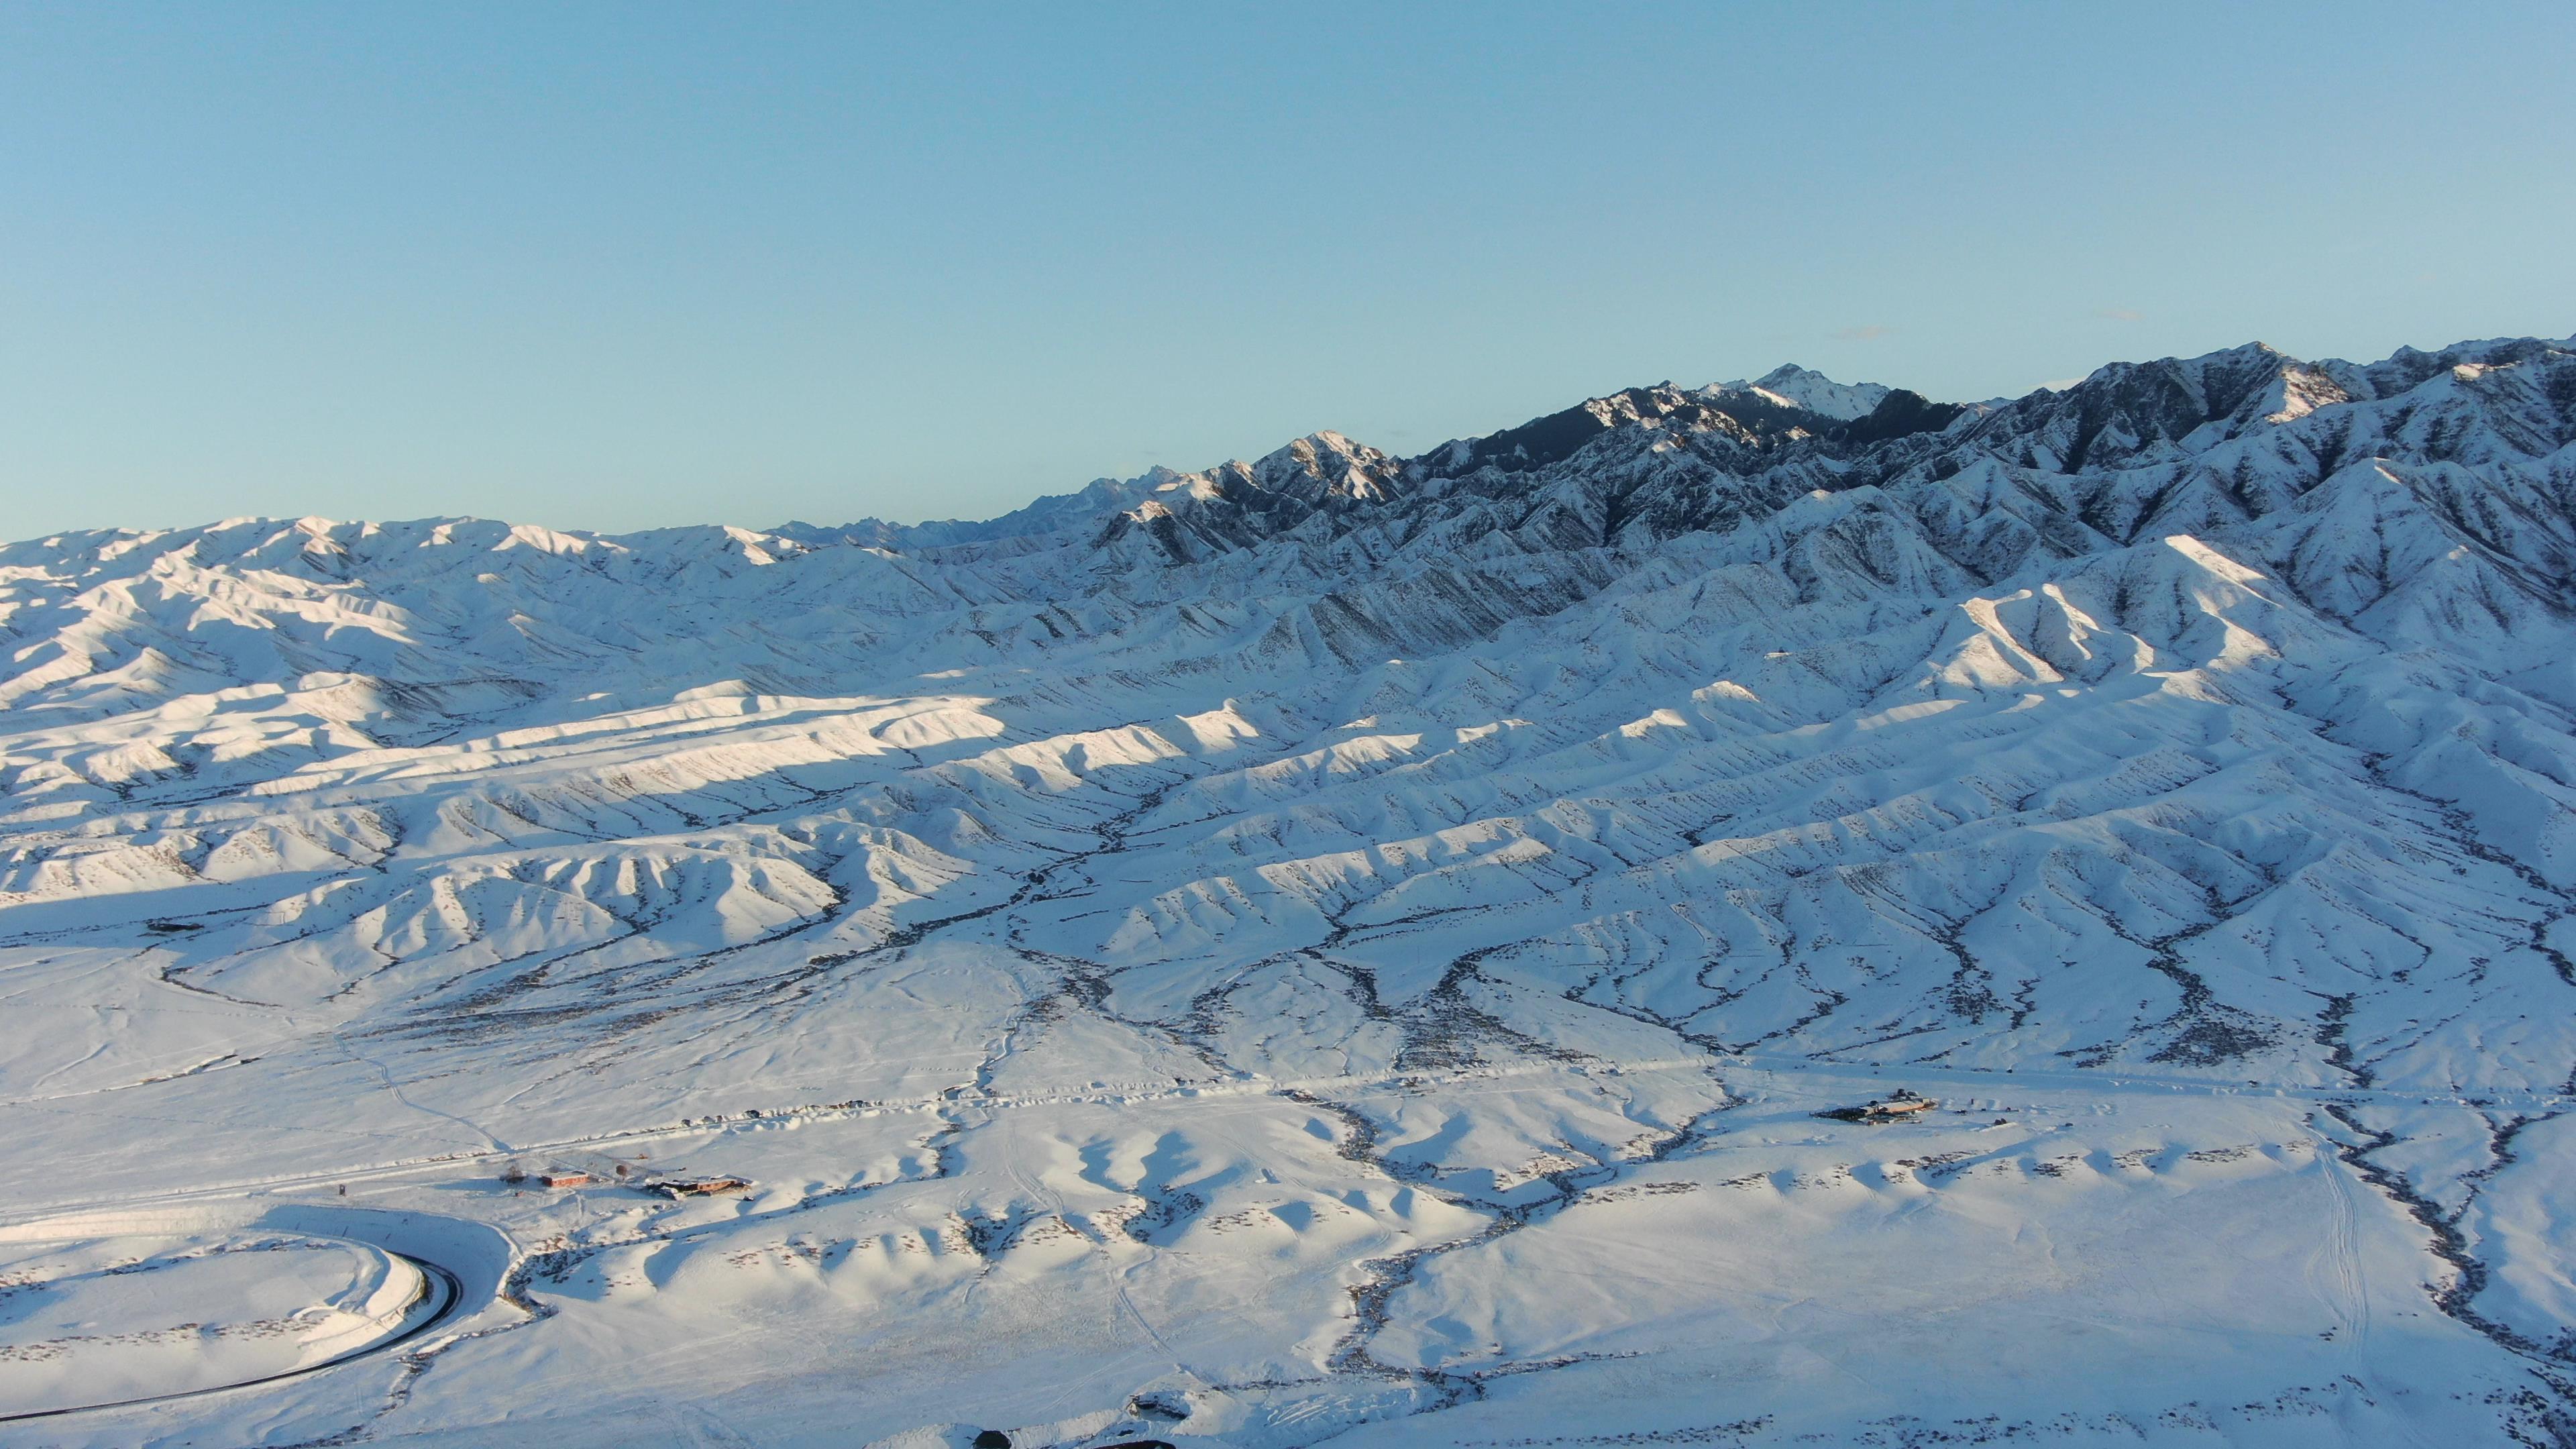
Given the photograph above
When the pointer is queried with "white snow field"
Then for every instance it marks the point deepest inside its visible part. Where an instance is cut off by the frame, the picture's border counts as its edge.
(1338, 949)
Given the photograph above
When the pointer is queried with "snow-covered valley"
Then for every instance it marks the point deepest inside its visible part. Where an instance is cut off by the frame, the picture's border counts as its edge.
(1339, 948)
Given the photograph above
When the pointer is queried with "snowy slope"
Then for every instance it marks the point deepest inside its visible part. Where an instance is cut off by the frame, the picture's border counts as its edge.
(1343, 947)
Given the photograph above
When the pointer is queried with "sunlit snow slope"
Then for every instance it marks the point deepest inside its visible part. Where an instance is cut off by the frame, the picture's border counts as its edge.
(1346, 948)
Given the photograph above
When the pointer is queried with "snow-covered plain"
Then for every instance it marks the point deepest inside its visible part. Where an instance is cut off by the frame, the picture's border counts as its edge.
(1340, 948)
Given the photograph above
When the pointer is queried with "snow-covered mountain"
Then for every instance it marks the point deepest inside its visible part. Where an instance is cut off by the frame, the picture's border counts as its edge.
(1792, 386)
(1342, 947)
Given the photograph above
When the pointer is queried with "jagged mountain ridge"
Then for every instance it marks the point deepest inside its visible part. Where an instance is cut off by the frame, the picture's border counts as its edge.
(2211, 721)
(1328, 469)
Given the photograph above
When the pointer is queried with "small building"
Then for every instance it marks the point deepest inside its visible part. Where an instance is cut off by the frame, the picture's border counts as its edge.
(1896, 1107)
(676, 1188)
(564, 1179)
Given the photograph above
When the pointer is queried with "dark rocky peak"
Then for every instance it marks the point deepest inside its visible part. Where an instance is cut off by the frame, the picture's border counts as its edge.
(1901, 413)
(1541, 441)
(2171, 396)
(1232, 505)
(2130, 412)
(1746, 417)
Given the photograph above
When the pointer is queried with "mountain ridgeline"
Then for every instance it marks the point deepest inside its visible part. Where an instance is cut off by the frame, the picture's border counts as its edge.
(1975, 492)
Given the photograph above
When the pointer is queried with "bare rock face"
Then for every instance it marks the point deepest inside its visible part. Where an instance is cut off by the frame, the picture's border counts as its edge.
(1345, 944)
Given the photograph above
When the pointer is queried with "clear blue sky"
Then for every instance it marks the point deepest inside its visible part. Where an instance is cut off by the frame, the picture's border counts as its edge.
(632, 265)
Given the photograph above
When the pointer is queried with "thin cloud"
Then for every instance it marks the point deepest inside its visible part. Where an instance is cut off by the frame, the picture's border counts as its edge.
(1861, 334)
(2120, 314)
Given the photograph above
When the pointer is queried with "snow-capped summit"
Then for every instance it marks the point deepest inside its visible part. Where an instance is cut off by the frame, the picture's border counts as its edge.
(1792, 386)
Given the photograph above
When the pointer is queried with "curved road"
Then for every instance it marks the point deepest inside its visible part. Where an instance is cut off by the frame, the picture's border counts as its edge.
(447, 1285)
